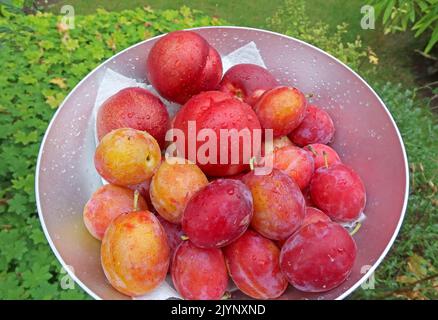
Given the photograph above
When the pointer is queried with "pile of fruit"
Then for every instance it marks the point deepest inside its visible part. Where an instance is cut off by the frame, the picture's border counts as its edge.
(208, 222)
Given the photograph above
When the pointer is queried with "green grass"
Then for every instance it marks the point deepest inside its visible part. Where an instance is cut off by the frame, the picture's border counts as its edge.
(410, 270)
(247, 13)
(396, 52)
(37, 65)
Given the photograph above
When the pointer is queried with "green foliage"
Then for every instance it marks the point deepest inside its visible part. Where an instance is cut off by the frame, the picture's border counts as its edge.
(41, 62)
(397, 277)
(409, 271)
(293, 20)
(419, 15)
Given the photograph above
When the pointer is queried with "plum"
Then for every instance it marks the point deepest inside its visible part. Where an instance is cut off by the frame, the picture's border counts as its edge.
(238, 176)
(339, 192)
(281, 109)
(295, 162)
(174, 183)
(279, 205)
(218, 214)
(182, 64)
(307, 197)
(247, 82)
(314, 215)
(135, 108)
(127, 156)
(268, 147)
(254, 265)
(318, 257)
(220, 113)
(135, 253)
(199, 273)
(174, 235)
(322, 155)
(143, 189)
(108, 202)
(316, 127)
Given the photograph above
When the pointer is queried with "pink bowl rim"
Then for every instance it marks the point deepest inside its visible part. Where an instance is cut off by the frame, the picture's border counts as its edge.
(343, 295)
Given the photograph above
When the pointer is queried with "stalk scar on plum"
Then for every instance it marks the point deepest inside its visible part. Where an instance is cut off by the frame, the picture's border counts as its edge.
(242, 184)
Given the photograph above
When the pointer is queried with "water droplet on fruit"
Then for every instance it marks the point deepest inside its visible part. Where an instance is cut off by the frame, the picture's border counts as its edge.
(230, 191)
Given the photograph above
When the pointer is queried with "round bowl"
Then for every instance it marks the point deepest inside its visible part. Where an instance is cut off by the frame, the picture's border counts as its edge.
(367, 139)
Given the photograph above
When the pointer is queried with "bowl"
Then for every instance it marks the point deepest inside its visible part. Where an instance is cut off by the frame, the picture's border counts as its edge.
(367, 139)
